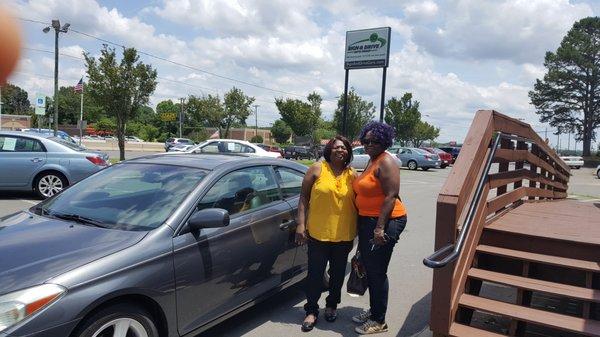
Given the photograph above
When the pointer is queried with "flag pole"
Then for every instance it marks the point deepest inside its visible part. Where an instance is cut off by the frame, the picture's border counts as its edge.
(81, 118)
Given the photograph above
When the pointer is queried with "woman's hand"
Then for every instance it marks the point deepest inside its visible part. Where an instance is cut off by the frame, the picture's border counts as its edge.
(300, 235)
(379, 237)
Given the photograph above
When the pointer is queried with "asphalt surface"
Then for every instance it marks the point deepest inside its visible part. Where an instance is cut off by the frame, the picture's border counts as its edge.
(410, 281)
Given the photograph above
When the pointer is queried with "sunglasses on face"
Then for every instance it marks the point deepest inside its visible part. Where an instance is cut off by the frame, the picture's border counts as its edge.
(370, 142)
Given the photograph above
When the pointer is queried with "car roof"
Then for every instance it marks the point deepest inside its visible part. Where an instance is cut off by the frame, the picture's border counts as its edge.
(26, 134)
(208, 161)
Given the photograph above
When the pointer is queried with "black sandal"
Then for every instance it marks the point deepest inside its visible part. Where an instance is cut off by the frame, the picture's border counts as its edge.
(330, 316)
(308, 326)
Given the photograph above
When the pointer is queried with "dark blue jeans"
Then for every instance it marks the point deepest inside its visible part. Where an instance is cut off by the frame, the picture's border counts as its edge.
(376, 260)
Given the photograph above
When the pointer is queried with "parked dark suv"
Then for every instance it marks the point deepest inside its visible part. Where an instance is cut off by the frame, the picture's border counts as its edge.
(297, 152)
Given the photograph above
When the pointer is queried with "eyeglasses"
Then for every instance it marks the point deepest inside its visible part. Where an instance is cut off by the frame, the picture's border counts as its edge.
(370, 141)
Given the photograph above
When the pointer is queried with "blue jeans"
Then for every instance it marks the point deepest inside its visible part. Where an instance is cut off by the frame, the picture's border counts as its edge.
(376, 260)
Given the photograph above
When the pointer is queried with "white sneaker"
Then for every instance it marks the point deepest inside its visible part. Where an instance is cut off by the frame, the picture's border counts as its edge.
(371, 327)
(362, 317)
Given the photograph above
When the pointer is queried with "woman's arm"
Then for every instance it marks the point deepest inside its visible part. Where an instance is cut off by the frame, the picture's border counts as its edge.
(389, 179)
(307, 183)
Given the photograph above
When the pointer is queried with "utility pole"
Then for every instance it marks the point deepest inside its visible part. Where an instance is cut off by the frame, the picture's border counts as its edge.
(57, 29)
(181, 117)
(256, 119)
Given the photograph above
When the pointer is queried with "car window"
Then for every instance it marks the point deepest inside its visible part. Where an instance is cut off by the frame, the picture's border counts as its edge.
(290, 181)
(358, 150)
(170, 140)
(18, 144)
(247, 149)
(210, 148)
(242, 190)
(129, 196)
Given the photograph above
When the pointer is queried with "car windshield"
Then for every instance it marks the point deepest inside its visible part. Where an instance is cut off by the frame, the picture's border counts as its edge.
(72, 146)
(136, 197)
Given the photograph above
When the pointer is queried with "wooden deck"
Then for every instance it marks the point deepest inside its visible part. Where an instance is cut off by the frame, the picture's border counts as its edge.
(566, 220)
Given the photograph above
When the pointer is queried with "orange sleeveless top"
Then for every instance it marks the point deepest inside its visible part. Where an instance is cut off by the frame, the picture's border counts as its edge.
(369, 194)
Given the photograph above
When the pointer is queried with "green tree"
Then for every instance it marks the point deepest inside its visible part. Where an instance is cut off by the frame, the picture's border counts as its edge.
(257, 139)
(568, 97)
(105, 124)
(403, 114)
(120, 87)
(281, 131)
(360, 112)
(15, 100)
(301, 117)
(69, 106)
(423, 131)
(205, 111)
(236, 109)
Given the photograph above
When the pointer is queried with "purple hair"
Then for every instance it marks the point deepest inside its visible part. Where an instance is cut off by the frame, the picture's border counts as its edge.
(383, 133)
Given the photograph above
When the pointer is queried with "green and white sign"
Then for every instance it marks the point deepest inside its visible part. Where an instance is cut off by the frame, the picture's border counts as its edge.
(367, 48)
(40, 104)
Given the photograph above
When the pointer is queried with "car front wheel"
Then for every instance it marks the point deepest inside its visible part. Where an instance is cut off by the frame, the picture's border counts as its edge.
(50, 183)
(121, 320)
(412, 165)
(598, 174)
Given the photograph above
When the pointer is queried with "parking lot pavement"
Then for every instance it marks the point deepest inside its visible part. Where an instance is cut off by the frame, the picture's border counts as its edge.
(584, 184)
(11, 202)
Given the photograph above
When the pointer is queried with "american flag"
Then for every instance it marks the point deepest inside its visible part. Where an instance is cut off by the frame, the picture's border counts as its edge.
(79, 86)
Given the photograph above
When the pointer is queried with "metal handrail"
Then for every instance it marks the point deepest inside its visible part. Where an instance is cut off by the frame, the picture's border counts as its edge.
(457, 247)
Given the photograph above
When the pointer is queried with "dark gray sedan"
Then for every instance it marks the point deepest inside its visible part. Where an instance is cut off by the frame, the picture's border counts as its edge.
(163, 245)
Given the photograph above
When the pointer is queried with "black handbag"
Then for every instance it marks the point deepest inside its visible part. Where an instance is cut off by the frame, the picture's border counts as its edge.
(357, 282)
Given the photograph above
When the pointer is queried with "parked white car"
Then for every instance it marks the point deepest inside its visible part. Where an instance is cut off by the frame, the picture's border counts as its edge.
(133, 139)
(361, 159)
(574, 162)
(231, 146)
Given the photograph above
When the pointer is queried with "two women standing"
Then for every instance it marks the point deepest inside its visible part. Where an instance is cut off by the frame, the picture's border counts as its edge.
(332, 196)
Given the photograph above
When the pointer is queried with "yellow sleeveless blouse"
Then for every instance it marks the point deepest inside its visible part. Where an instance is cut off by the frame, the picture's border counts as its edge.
(331, 210)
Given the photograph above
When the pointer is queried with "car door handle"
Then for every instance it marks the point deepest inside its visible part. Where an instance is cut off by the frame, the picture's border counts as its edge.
(286, 224)
(36, 160)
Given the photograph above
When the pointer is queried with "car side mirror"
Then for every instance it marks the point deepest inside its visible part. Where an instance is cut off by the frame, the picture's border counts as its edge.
(209, 218)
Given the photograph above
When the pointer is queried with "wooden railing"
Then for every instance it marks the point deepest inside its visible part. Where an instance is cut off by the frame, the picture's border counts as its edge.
(522, 158)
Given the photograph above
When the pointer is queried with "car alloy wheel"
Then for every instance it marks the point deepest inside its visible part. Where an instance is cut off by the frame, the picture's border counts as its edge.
(50, 184)
(412, 165)
(121, 327)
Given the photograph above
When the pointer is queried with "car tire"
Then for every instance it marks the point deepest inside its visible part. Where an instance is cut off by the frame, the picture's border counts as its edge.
(48, 184)
(598, 174)
(424, 168)
(412, 165)
(136, 320)
(444, 166)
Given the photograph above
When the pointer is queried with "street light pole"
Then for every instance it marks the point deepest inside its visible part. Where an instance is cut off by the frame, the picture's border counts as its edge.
(256, 119)
(181, 118)
(57, 29)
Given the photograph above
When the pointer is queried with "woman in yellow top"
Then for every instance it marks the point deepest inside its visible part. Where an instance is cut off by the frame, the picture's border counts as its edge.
(327, 221)
(382, 217)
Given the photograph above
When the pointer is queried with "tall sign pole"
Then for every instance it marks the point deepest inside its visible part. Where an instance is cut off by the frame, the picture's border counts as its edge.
(366, 48)
(81, 118)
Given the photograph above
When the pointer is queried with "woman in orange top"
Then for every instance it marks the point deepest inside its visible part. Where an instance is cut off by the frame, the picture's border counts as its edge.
(382, 217)
(327, 220)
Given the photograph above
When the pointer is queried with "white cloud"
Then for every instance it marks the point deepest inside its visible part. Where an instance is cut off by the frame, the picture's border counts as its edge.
(421, 10)
(517, 30)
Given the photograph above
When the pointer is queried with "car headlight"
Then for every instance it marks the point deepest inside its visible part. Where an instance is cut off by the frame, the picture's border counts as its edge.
(18, 305)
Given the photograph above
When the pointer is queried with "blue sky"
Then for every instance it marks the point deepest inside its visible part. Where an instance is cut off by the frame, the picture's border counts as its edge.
(454, 56)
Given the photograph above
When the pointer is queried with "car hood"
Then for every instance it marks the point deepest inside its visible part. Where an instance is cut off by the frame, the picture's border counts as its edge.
(34, 249)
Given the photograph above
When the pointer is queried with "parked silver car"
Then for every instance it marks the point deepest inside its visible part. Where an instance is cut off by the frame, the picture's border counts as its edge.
(43, 163)
(361, 159)
(162, 245)
(414, 158)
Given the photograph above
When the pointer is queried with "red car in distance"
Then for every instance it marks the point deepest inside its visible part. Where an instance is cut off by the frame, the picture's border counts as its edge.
(269, 148)
(445, 157)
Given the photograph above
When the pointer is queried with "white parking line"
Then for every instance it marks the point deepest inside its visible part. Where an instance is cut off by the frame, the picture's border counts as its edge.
(29, 201)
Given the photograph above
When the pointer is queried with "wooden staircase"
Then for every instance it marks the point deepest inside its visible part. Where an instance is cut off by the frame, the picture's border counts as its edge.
(533, 266)
(531, 259)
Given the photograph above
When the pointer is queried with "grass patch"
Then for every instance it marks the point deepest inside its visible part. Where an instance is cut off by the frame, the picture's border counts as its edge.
(306, 162)
(113, 160)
